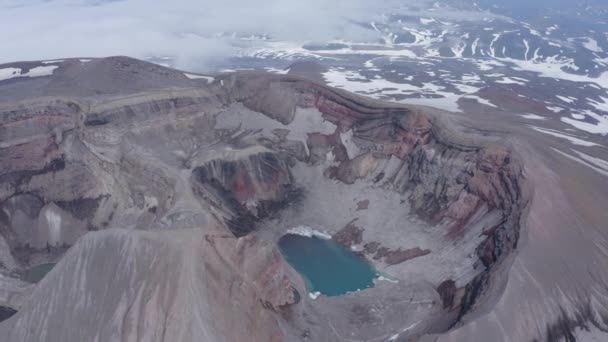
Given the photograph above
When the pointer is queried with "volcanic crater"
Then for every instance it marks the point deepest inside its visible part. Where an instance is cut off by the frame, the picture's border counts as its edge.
(163, 199)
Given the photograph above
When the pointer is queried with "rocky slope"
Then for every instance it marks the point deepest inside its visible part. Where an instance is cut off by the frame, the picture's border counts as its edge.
(169, 194)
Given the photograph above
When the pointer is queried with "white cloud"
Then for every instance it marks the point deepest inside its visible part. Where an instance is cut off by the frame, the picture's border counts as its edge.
(185, 29)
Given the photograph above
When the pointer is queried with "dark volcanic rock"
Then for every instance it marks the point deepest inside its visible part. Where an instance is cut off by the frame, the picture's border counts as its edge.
(248, 189)
(6, 313)
(349, 235)
(394, 257)
(362, 205)
(451, 296)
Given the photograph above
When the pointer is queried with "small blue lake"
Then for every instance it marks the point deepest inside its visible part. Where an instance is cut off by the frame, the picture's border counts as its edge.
(326, 266)
(36, 273)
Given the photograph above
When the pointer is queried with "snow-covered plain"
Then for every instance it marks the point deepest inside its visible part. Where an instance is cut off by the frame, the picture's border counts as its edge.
(428, 93)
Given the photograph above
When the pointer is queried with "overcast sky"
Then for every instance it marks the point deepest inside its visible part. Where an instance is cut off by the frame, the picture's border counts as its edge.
(184, 29)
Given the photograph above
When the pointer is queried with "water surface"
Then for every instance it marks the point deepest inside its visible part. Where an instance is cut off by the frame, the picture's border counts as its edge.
(36, 273)
(326, 266)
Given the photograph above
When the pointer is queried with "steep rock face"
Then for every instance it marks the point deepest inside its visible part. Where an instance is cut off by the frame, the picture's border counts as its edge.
(6, 312)
(235, 164)
(262, 266)
(247, 189)
(34, 130)
(32, 158)
(67, 170)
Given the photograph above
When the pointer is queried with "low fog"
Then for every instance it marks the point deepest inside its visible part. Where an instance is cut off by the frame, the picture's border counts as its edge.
(194, 33)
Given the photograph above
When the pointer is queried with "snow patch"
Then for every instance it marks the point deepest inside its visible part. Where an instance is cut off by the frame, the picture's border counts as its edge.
(352, 150)
(8, 73)
(481, 100)
(355, 82)
(602, 61)
(552, 67)
(601, 127)
(532, 116)
(308, 232)
(592, 45)
(383, 278)
(550, 30)
(474, 46)
(429, 94)
(314, 295)
(471, 78)
(600, 163)
(585, 161)
(555, 109)
(527, 49)
(54, 227)
(487, 65)
(53, 61)
(572, 139)
(396, 336)
(277, 71)
(465, 88)
(566, 99)
(512, 80)
(40, 71)
(601, 105)
(357, 248)
(196, 77)
(578, 116)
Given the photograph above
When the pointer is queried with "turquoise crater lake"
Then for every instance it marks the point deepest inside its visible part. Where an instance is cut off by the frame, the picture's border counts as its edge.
(326, 266)
(36, 273)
